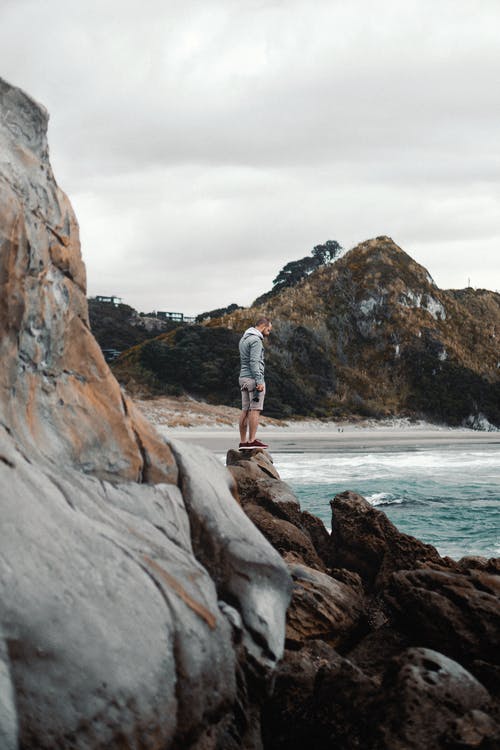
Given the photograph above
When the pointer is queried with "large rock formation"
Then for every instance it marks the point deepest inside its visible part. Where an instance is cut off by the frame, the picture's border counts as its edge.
(388, 645)
(140, 606)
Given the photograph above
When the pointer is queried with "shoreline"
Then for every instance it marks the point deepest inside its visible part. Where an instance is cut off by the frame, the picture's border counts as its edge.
(216, 428)
(344, 439)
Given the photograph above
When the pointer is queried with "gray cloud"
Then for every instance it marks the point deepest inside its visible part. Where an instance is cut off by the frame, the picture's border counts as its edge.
(206, 144)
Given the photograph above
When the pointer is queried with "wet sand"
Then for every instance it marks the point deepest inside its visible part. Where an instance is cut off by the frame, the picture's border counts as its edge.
(319, 440)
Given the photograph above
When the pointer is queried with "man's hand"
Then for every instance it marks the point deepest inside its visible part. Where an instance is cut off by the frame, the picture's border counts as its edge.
(259, 387)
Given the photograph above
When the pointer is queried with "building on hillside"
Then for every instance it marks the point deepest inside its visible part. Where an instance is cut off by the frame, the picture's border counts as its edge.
(109, 300)
(177, 317)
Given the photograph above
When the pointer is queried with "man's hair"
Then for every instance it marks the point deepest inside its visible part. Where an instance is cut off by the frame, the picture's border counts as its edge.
(262, 321)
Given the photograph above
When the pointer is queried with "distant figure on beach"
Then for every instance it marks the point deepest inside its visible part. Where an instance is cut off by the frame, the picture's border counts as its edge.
(252, 385)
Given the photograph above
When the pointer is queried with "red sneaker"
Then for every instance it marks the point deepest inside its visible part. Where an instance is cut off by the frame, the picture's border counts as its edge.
(244, 446)
(257, 444)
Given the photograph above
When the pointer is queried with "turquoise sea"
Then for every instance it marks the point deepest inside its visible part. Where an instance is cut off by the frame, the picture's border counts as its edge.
(445, 496)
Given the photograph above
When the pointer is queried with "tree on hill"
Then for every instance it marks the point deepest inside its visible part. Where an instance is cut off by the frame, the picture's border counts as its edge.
(326, 253)
(296, 270)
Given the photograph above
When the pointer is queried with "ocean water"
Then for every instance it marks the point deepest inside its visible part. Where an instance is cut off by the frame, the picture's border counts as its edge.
(447, 497)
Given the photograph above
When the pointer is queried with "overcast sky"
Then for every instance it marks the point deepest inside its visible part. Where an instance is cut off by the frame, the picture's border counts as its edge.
(205, 144)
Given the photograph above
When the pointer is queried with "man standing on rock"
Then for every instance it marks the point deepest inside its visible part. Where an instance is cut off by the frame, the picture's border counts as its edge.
(252, 385)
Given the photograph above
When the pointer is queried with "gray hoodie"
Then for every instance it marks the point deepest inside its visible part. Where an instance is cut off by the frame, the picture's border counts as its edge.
(252, 355)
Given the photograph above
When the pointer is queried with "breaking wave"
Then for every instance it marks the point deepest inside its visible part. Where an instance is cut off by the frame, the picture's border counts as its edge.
(446, 497)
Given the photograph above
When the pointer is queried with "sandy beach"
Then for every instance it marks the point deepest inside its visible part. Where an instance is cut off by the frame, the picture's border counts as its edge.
(216, 428)
(315, 439)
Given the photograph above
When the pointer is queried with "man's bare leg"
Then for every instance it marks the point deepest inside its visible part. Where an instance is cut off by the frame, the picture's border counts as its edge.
(243, 426)
(253, 423)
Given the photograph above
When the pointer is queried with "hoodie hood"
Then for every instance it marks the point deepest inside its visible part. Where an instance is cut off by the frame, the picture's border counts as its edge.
(254, 331)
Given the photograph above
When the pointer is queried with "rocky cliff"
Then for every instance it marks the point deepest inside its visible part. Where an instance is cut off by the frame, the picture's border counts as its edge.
(369, 335)
(140, 607)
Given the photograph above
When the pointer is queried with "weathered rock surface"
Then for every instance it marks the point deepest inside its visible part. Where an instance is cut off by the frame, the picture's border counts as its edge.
(363, 539)
(419, 679)
(283, 535)
(321, 700)
(230, 547)
(457, 613)
(322, 608)
(355, 673)
(58, 396)
(140, 606)
(425, 701)
(274, 509)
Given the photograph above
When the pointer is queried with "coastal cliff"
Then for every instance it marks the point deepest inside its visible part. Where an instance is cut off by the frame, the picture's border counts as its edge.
(140, 608)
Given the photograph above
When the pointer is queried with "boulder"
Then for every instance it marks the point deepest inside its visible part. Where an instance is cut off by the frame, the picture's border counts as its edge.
(320, 700)
(257, 462)
(422, 701)
(431, 702)
(283, 535)
(275, 510)
(230, 548)
(455, 613)
(322, 608)
(97, 602)
(365, 541)
(140, 606)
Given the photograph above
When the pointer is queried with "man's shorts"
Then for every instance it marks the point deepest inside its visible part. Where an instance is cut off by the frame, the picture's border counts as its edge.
(248, 392)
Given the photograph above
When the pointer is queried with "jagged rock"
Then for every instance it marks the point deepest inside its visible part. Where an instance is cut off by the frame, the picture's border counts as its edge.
(321, 608)
(491, 565)
(364, 540)
(135, 612)
(455, 613)
(253, 484)
(320, 537)
(275, 510)
(252, 461)
(283, 535)
(321, 700)
(360, 591)
(431, 702)
(425, 701)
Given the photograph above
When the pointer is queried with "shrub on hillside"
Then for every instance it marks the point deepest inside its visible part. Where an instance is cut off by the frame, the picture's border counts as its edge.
(204, 362)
